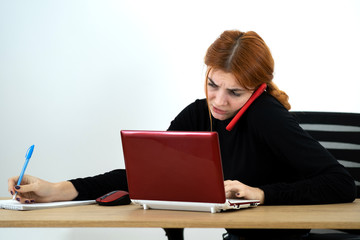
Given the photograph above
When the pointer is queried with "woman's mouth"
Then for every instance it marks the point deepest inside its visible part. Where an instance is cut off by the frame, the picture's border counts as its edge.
(218, 111)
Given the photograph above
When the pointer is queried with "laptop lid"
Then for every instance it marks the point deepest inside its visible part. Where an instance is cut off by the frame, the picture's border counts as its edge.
(173, 166)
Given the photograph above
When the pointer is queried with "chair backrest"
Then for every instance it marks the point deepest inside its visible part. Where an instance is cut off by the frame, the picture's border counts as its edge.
(339, 133)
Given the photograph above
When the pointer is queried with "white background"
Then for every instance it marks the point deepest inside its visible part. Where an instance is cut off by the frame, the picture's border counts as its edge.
(73, 73)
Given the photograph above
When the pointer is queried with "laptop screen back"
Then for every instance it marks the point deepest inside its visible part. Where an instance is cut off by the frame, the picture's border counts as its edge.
(173, 166)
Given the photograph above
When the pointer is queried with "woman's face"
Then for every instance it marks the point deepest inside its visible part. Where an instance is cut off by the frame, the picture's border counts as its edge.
(225, 95)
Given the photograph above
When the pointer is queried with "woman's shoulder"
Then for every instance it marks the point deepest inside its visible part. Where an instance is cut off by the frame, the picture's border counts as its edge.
(199, 103)
(268, 111)
(194, 117)
(196, 107)
(265, 103)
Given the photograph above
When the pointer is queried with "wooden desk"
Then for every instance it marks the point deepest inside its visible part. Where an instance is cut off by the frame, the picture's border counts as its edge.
(332, 216)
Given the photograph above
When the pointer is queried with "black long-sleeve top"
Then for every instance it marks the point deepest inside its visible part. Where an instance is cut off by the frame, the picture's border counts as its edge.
(267, 149)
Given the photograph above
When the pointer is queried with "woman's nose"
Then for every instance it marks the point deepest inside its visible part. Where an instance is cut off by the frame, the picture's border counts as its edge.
(220, 99)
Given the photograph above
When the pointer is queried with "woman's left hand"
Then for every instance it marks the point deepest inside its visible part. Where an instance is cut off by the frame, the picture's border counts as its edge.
(236, 189)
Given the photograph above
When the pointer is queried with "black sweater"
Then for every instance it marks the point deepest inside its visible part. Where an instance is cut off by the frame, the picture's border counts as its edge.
(267, 149)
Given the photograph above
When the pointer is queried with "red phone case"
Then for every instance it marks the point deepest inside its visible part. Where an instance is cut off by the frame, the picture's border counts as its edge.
(254, 96)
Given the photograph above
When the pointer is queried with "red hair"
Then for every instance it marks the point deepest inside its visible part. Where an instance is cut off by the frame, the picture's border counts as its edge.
(248, 58)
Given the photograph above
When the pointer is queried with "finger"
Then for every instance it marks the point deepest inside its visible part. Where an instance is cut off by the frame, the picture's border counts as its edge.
(229, 195)
(229, 192)
(25, 188)
(233, 188)
(22, 199)
(239, 194)
(228, 183)
(231, 182)
(11, 183)
(26, 197)
(28, 201)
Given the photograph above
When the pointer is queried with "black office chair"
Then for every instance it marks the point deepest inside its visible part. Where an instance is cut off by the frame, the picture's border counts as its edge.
(339, 133)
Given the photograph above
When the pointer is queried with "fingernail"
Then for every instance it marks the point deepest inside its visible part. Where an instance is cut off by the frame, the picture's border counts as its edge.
(11, 192)
(17, 187)
(32, 200)
(27, 201)
(18, 199)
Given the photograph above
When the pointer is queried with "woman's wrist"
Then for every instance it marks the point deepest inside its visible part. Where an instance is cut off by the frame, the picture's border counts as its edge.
(64, 191)
(261, 196)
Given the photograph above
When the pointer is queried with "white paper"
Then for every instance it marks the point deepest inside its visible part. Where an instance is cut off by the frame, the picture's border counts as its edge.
(11, 204)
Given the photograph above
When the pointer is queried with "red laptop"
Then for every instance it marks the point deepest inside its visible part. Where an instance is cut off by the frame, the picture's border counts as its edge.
(176, 171)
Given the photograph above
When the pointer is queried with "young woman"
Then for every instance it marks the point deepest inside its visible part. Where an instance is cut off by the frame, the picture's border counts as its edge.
(266, 155)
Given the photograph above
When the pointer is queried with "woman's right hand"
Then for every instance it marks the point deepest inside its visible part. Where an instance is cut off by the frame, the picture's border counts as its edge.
(33, 189)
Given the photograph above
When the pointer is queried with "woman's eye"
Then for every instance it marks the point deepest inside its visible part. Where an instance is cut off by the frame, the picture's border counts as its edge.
(211, 84)
(234, 93)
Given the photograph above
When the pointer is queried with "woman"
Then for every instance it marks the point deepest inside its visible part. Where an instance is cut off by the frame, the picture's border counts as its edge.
(266, 155)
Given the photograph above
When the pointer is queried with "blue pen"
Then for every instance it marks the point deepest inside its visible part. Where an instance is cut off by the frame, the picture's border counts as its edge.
(27, 158)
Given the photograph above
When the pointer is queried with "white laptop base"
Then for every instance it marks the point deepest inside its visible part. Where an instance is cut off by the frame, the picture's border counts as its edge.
(197, 206)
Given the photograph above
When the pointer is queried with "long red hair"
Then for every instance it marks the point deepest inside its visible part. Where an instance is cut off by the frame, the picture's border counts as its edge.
(248, 58)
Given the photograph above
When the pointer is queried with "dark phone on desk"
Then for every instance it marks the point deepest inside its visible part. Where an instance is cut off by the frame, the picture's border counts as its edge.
(254, 96)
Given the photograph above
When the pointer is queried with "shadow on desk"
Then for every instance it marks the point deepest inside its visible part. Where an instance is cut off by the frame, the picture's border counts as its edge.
(328, 234)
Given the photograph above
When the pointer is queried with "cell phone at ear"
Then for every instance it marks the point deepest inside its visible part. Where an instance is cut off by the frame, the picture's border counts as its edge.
(254, 96)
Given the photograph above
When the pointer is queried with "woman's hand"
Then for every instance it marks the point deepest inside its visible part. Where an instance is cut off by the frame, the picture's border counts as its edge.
(236, 189)
(33, 189)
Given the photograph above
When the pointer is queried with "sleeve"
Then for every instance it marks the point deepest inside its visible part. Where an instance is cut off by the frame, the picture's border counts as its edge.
(96, 186)
(321, 179)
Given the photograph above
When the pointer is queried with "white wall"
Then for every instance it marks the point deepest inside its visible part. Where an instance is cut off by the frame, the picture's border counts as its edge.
(73, 73)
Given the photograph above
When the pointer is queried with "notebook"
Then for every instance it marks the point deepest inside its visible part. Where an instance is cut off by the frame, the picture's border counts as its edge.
(11, 204)
(176, 170)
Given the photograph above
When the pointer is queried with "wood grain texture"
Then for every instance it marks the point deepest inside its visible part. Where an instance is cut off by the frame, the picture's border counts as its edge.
(330, 216)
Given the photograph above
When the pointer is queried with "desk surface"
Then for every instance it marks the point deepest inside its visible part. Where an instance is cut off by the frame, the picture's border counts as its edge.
(331, 216)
